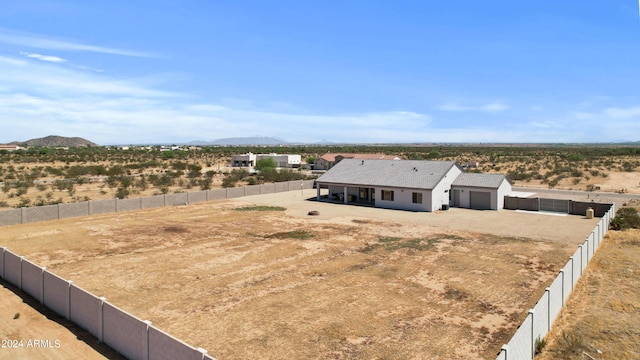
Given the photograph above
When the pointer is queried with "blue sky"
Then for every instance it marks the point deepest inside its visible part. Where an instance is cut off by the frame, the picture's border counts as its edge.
(129, 72)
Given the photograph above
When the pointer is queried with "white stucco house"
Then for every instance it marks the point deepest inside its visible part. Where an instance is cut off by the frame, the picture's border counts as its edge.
(282, 160)
(414, 185)
(242, 160)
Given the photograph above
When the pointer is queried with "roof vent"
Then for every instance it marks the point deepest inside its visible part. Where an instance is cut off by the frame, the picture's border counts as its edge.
(415, 169)
(362, 162)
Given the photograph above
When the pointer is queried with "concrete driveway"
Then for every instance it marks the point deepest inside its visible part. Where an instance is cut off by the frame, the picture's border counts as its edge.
(568, 228)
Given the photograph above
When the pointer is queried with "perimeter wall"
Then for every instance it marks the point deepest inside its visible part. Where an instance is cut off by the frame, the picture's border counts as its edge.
(86, 208)
(540, 319)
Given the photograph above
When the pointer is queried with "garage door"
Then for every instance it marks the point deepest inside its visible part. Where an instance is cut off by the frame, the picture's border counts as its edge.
(480, 200)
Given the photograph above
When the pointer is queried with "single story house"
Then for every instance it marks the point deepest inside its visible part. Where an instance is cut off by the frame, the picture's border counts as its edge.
(11, 147)
(415, 185)
(282, 160)
(329, 160)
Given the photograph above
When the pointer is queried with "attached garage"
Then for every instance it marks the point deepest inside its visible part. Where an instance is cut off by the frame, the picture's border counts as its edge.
(479, 191)
(480, 200)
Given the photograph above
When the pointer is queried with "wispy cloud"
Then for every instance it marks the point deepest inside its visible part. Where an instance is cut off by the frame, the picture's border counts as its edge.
(11, 61)
(494, 107)
(48, 58)
(490, 107)
(623, 113)
(39, 98)
(45, 98)
(48, 79)
(454, 107)
(545, 124)
(43, 42)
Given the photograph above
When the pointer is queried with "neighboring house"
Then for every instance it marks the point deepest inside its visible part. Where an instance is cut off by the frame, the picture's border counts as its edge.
(11, 147)
(282, 160)
(415, 185)
(480, 191)
(329, 160)
(242, 160)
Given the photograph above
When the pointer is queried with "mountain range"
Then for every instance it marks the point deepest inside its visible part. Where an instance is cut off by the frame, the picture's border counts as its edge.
(55, 141)
(62, 141)
(259, 140)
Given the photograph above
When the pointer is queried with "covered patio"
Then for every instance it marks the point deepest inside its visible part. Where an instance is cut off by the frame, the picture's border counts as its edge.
(349, 195)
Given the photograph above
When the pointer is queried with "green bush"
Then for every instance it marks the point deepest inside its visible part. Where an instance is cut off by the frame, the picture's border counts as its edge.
(626, 218)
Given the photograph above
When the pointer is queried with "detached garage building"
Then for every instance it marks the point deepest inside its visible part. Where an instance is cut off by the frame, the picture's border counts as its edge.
(412, 185)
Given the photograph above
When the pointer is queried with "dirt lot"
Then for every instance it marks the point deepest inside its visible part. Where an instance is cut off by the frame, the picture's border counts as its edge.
(602, 316)
(30, 331)
(353, 282)
(615, 182)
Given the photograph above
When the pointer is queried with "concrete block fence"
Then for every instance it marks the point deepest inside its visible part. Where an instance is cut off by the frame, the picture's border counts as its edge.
(86, 208)
(138, 339)
(126, 334)
(540, 319)
(133, 338)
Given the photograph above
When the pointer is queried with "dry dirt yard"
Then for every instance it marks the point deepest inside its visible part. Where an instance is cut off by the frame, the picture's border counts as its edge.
(351, 283)
(33, 324)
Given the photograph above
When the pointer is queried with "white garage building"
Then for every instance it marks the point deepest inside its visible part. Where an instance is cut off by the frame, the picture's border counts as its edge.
(412, 185)
(480, 191)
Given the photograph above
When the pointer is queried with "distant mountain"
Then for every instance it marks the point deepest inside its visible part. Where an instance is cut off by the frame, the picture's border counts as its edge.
(55, 141)
(260, 140)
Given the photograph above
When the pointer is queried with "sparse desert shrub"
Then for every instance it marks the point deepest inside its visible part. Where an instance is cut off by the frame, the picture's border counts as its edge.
(122, 192)
(20, 191)
(569, 343)
(395, 243)
(260, 208)
(626, 218)
(24, 203)
(205, 184)
(228, 182)
(295, 234)
(540, 345)
(455, 293)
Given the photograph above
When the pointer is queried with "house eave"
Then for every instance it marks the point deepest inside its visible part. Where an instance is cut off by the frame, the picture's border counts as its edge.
(371, 185)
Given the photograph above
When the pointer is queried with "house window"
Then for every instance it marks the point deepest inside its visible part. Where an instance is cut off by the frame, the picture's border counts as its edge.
(387, 195)
(417, 198)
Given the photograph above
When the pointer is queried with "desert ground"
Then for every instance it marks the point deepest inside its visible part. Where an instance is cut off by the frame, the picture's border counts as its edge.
(616, 182)
(351, 283)
(30, 331)
(601, 319)
(50, 176)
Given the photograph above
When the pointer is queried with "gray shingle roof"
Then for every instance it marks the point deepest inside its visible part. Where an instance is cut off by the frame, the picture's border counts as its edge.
(491, 181)
(414, 174)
